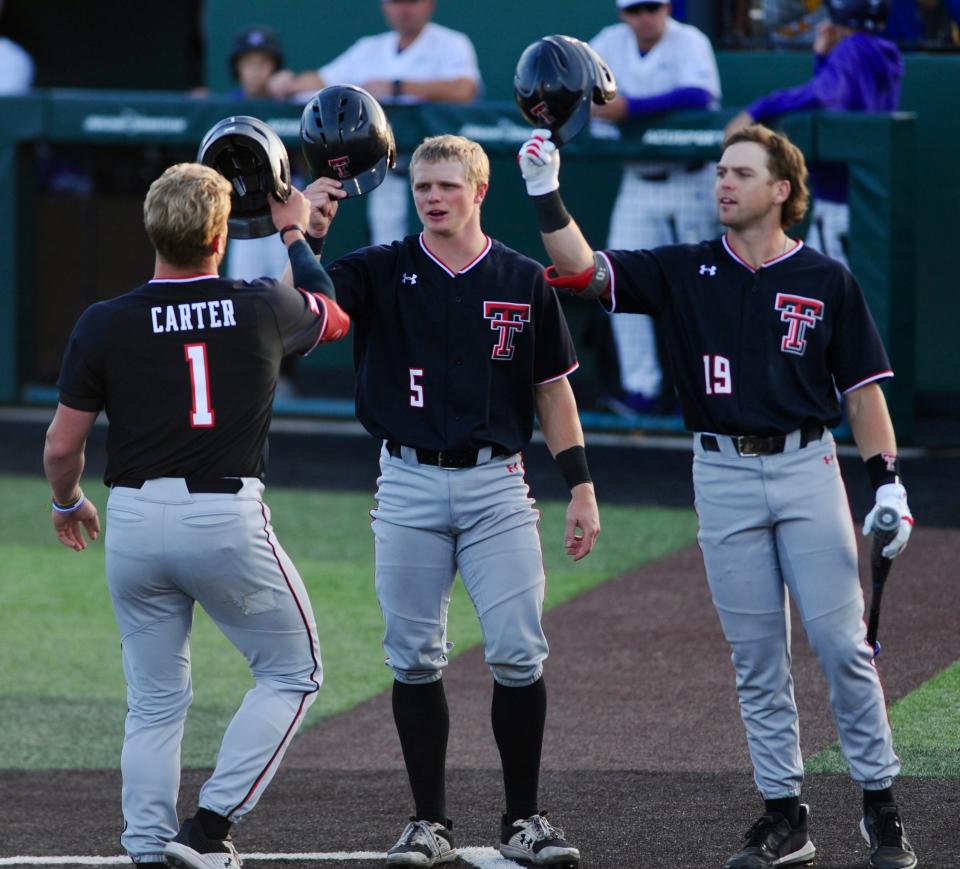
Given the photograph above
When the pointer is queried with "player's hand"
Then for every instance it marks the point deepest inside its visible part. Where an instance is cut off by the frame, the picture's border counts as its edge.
(69, 526)
(583, 522)
(895, 496)
(324, 196)
(295, 210)
(280, 85)
(738, 122)
(539, 162)
(615, 111)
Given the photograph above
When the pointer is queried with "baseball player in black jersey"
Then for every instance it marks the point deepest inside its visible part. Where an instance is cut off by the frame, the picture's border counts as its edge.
(765, 334)
(459, 341)
(185, 367)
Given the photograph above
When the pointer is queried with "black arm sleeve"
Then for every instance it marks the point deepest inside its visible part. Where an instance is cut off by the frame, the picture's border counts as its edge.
(308, 274)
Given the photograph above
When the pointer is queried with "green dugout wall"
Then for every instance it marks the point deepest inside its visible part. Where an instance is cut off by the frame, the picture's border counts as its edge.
(881, 189)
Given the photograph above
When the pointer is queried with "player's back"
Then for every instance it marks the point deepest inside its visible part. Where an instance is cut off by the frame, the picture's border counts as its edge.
(187, 370)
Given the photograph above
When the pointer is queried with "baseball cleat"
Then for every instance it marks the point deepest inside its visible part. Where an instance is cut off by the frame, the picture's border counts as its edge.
(771, 841)
(882, 829)
(423, 843)
(192, 849)
(534, 841)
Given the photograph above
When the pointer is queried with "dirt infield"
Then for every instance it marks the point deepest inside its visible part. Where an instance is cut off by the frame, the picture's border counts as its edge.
(645, 762)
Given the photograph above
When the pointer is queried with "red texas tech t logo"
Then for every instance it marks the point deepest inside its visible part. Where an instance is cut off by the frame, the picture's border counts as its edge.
(339, 165)
(505, 318)
(542, 113)
(800, 313)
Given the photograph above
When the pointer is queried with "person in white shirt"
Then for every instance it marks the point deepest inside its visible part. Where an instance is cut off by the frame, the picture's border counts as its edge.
(415, 61)
(16, 66)
(660, 65)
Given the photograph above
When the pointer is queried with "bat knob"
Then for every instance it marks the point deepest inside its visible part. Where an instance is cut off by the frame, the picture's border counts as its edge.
(887, 519)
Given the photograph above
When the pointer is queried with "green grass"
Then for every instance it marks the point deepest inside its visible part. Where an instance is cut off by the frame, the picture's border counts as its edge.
(61, 684)
(925, 727)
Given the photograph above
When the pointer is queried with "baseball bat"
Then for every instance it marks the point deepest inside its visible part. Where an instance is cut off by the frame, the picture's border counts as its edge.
(885, 527)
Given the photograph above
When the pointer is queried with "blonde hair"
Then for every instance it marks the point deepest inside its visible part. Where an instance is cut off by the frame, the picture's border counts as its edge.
(185, 208)
(476, 164)
(785, 162)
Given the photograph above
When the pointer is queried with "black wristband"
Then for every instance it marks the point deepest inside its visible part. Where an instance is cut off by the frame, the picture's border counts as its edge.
(883, 468)
(573, 465)
(551, 212)
(316, 244)
(290, 227)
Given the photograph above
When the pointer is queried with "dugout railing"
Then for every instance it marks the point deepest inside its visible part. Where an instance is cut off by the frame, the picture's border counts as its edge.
(879, 149)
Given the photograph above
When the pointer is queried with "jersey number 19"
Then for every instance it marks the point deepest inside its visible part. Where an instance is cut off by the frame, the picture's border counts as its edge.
(716, 373)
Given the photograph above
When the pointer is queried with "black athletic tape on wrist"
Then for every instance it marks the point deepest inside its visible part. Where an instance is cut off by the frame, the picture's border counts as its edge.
(551, 212)
(290, 227)
(883, 468)
(573, 465)
(316, 244)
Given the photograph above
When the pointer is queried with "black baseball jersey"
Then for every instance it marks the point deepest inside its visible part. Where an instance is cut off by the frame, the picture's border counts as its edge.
(186, 371)
(448, 360)
(755, 351)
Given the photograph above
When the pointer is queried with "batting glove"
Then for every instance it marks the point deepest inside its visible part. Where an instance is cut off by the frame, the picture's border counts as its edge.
(539, 162)
(895, 496)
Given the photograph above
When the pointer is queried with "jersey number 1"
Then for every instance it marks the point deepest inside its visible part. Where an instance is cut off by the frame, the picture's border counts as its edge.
(201, 415)
(716, 373)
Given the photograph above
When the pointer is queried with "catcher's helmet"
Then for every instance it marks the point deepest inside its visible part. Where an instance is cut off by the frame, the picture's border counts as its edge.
(859, 14)
(344, 134)
(557, 78)
(250, 155)
(255, 39)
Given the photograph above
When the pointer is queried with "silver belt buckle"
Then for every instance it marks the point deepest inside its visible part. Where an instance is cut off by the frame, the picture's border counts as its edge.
(746, 446)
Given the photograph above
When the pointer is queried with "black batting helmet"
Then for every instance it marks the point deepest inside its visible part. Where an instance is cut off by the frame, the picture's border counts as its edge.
(255, 39)
(556, 80)
(868, 15)
(250, 155)
(344, 134)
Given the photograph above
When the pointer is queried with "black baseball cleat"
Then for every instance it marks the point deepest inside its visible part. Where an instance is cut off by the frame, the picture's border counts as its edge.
(423, 843)
(191, 848)
(883, 831)
(534, 841)
(771, 841)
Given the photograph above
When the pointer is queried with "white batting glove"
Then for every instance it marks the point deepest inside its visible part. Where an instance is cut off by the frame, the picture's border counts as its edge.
(895, 496)
(539, 162)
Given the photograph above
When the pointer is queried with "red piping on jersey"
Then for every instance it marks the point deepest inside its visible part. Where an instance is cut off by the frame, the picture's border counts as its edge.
(182, 280)
(878, 376)
(570, 370)
(316, 665)
(447, 268)
(766, 263)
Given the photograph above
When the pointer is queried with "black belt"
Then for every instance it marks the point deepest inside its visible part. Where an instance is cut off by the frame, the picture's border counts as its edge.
(464, 458)
(196, 485)
(753, 445)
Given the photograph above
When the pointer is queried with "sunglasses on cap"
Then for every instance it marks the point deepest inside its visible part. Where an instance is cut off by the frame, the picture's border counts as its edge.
(637, 8)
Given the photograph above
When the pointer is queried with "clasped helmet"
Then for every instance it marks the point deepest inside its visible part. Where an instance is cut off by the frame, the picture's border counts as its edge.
(870, 15)
(250, 155)
(556, 80)
(344, 134)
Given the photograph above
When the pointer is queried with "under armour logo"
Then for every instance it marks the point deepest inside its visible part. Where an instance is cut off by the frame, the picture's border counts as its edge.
(409, 279)
(707, 270)
(827, 460)
(512, 467)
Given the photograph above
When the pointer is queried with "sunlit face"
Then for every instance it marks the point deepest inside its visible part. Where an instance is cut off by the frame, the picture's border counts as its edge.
(745, 191)
(446, 201)
(407, 17)
(253, 71)
(647, 20)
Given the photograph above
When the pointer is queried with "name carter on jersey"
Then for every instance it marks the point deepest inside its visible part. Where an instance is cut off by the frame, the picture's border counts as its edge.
(188, 317)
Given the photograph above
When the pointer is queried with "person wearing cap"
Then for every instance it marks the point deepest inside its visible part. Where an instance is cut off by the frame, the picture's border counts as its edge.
(855, 70)
(660, 65)
(416, 60)
(255, 56)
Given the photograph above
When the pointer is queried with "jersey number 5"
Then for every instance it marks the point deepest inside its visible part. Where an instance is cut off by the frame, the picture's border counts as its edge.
(716, 374)
(201, 415)
(416, 389)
